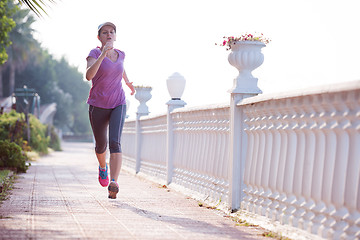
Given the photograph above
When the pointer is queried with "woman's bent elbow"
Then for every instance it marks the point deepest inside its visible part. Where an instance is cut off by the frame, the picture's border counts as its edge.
(88, 77)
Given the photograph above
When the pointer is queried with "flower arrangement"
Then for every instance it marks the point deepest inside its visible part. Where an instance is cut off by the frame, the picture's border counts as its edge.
(229, 41)
(142, 86)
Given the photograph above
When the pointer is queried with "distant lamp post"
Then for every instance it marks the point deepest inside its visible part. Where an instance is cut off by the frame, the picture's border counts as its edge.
(13, 101)
(176, 85)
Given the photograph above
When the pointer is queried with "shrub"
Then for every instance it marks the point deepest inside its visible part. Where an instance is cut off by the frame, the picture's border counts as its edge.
(14, 128)
(54, 139)
(11, 156)
(38, 140)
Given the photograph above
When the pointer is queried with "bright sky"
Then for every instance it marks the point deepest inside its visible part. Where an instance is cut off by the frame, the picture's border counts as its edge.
(314, 42)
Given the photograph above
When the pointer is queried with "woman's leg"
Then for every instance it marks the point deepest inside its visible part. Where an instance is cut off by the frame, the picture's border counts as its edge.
(99, 119)
(101, 157)
(115, 130)
(115, 166)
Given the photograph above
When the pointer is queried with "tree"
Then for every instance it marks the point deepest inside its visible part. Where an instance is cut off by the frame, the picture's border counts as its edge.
(22, 47)
(57, 81)
(6, 24)
(72, 81)
(36, 6)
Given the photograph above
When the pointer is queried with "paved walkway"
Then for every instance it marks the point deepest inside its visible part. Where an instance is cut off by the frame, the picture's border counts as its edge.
(60, 197)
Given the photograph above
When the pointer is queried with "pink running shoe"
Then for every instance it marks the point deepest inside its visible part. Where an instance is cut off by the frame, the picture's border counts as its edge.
(113, 189)
(103, 176)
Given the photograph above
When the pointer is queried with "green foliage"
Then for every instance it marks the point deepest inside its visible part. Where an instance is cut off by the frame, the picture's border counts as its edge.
(6, 24)
(38, 140)
(54, 139)
(57, 81)
(12, 156)
(23, 43)
(72, 82)
(6, 183)
(14, 128)
(54, 80)
(36, 6)
(11, 128)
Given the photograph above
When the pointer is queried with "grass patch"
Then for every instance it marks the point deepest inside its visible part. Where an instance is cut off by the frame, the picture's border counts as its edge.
(241, 222)
(201, 204)
(6, 183)
(274, 235)
(3, 175)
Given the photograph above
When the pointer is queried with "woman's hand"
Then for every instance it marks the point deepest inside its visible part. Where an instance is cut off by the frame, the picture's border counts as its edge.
(107, 47)
(130, 85)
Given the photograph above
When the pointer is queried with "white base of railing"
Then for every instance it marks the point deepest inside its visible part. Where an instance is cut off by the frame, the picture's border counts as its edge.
(208, 187)
(275, 226)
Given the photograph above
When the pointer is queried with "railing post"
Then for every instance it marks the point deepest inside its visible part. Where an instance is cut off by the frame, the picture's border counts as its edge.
(245, 56)
(143, 94)
(176, 85)
(138, 142)
(238, 145)
(172, 104)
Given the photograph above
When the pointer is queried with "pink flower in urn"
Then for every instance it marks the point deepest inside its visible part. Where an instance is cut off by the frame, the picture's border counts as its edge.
(246, 37)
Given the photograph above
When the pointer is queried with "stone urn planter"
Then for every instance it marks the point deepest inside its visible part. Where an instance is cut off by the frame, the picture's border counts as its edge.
(143, 94)
(246, 56)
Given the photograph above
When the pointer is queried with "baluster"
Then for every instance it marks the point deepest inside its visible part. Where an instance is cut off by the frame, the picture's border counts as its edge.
(319, 166)
(319, 207)
(289, 171)
(265, 168)
(275, 157)
(259, 164)
(254, 160)
(269, 161)
(248, 164)
(259, 161)
(352, 192)
(299, 177)
(310, 144)
(281, 171)
(265, 178)
(281, 198)
(339, 181)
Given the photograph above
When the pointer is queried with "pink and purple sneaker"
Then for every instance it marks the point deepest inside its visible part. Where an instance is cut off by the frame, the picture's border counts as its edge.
(103, 176)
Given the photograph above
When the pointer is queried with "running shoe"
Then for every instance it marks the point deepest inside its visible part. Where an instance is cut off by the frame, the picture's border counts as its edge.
(113, 189)
(103, 176)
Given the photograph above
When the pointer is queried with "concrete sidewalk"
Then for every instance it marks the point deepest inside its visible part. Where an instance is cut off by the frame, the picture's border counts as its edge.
(60, 197)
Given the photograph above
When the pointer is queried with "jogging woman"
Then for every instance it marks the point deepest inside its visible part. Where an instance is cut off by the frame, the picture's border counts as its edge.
(107, 105)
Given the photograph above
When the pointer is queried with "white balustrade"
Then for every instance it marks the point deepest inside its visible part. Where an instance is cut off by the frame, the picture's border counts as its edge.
(201, 150)
(314, 144)
(302, 157)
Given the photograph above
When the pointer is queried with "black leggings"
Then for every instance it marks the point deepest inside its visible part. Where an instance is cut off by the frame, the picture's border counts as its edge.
(100, 120)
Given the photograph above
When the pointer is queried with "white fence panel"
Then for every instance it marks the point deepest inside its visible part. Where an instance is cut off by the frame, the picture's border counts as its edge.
(303, 161)
(302, 167)
(153, 150)
(128, 144)
(201, 151)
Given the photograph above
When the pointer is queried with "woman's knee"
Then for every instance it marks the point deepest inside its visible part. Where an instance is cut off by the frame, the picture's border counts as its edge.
(115, 146)
(100, 148)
